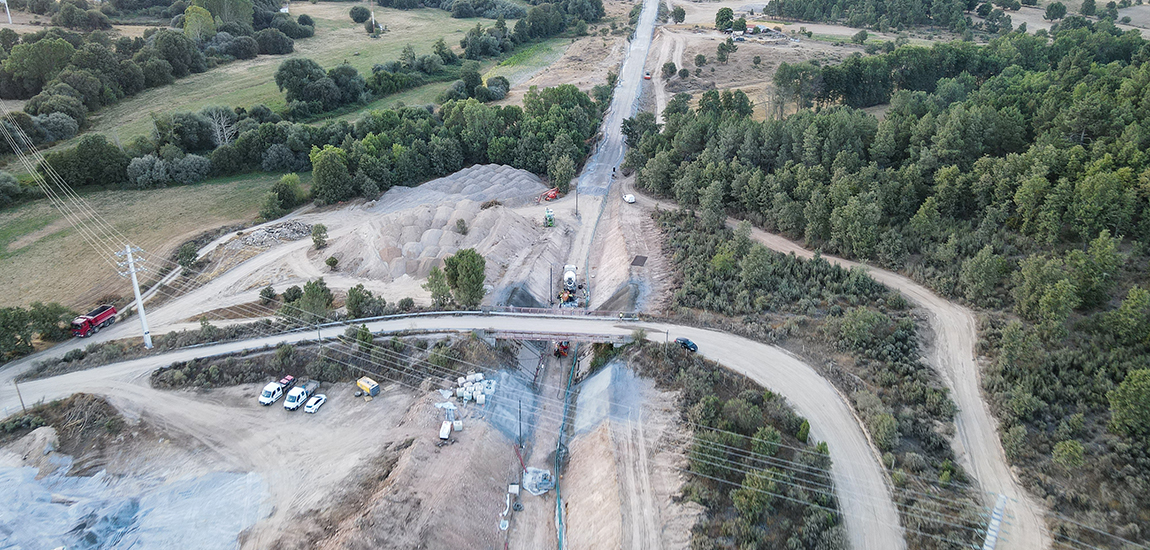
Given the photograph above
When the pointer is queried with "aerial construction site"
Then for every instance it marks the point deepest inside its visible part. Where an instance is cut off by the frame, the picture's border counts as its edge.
(592, 275)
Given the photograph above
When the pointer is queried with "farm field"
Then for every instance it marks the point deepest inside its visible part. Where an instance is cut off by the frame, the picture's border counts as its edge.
(43, 258)
(246, 83)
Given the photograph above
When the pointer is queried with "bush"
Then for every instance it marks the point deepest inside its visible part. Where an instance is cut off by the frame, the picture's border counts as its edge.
(274, 42)
(9, 189)
(804, 431)
(359, 14)
(267, 295)
(243, 47)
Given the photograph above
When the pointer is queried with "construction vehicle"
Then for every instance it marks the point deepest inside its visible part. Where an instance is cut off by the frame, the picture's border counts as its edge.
(549, 218)
(548, 195)
(568, 293)
(569, 280)
(87, 325)
(562, 348)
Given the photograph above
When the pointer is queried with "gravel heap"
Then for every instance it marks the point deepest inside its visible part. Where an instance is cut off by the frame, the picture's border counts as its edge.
(266, 237)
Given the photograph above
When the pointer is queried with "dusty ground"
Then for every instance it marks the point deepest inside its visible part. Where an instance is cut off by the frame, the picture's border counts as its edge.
(389, 245)
(624, 477)
(584, 63)
(680, 44)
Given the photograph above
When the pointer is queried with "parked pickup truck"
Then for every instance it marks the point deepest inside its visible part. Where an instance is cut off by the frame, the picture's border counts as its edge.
(299, 394)
(275, 390)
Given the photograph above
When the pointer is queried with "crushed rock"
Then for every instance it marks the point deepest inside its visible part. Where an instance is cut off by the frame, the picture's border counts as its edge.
(268, 236)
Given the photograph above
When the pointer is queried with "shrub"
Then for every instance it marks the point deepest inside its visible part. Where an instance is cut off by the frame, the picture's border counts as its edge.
(274, 42)
(243, 47)
(359, 14)
(319, 235)
(804, 431)
(267, 295)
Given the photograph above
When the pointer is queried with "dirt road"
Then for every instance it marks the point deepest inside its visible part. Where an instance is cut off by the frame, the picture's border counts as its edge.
(869, 513)
(976, 444)
(671, 49)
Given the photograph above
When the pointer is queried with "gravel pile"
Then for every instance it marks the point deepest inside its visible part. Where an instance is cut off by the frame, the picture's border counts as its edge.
(266, 237)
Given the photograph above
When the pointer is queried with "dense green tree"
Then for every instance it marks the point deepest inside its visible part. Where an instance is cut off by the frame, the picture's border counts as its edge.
(331, 182)
(724, 18)
(198, 24)
(359, 14)
(437, 285)
(1055, 11)
(228, 11)
(15, 332)
(678, 14)
(314, 306)
(51, 321)
(319, 235)
(93, 161)
(1130, 404)
(465, 273)
(39, 61)
(363, 303)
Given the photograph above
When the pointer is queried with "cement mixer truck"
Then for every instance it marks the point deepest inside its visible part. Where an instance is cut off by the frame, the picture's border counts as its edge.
(569, 281)
(569, 293)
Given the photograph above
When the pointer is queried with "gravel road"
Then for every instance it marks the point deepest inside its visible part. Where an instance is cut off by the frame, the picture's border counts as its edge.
(976, 444)
(869, 513)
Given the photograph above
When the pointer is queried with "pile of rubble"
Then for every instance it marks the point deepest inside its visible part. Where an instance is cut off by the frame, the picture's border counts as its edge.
(266, 237)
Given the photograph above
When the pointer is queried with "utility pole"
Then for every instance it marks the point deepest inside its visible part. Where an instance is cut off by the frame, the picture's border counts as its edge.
(20, 396)
(7, 11)
(132, 269)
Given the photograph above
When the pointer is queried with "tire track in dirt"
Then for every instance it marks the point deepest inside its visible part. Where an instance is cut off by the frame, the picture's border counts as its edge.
(641, 526)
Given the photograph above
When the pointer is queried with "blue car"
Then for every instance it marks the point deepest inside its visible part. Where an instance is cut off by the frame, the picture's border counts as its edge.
(687, 344)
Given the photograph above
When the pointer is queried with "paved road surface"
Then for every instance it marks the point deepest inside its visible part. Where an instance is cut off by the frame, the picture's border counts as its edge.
(869, 514)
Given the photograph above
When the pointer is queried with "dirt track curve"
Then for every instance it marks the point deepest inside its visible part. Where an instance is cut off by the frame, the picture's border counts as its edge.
(869, 513)
(976, 444)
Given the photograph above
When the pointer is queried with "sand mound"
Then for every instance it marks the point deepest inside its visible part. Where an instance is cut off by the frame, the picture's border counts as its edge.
(410, 230)
(412, 241)
(479, 183)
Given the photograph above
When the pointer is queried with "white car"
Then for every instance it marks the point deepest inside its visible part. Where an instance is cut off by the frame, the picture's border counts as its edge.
(315, 403)
(629, 198)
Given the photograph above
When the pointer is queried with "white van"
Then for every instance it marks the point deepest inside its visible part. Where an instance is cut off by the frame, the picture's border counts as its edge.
(272, 393)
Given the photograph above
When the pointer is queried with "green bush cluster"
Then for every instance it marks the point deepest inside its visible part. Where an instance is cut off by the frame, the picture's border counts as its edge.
(743, 492)
(902, 404)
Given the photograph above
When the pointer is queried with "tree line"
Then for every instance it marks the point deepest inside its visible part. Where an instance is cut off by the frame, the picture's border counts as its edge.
(404, 146)
(1017, 181)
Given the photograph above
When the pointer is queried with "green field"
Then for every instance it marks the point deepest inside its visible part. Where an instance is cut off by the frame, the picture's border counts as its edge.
(529, 60)
(246, 83)
(43, 258)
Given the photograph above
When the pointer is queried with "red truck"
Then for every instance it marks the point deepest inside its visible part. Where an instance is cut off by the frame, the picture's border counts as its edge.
(87, 325)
